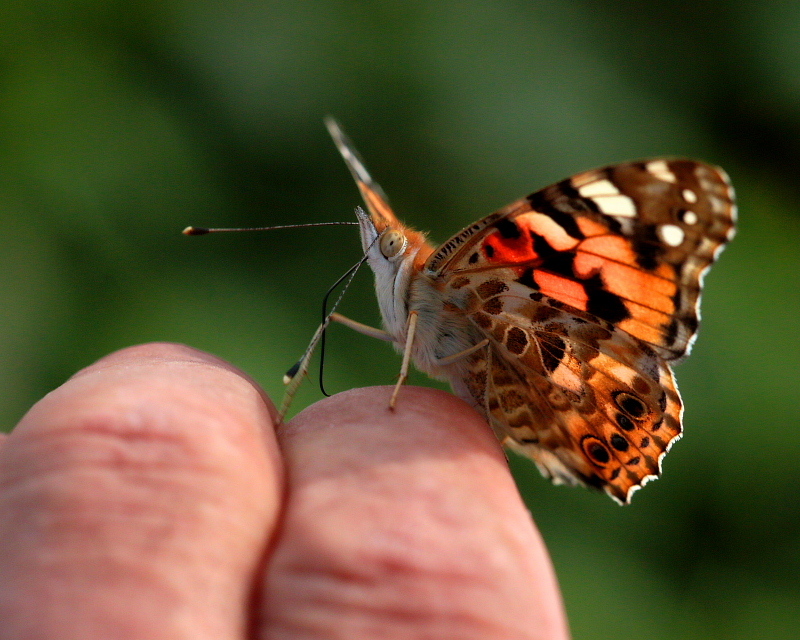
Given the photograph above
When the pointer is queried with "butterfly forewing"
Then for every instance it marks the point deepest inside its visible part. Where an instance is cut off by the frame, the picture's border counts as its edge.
(628, 243)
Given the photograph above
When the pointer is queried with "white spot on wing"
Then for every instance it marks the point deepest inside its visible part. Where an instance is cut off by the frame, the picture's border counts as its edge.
(598, 188)
(660, 169)
(689, 217)
(671, 234)
(689, 196)
(616, 205)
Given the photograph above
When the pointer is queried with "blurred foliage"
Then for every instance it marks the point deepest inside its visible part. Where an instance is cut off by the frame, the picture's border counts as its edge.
(122, 122)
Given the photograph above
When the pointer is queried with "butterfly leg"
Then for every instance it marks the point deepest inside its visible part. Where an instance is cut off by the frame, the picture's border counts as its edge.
(411, 329)
(372, 332)
(295, 375)
(442, 362)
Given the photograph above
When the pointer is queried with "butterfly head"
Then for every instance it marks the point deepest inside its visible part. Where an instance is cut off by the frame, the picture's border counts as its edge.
(394, 252)
(388, 243)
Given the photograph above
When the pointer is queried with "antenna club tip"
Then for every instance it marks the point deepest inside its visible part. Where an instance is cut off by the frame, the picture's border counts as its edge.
(195, 231)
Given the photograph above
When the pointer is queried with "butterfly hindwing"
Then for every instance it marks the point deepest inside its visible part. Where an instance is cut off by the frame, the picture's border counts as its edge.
(589, 403)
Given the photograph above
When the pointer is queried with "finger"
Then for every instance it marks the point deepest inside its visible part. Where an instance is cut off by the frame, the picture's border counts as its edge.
(135, 501)
(404, 524)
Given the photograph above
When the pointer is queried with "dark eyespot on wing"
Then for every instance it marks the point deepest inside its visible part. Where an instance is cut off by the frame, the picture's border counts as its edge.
(619, 443)
(595, 449)
(516, 340)
(625, 422)
(630, 404)
(491, 288)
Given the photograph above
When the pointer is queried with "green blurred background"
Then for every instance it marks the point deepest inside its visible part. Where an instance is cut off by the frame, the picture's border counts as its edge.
(122, 122)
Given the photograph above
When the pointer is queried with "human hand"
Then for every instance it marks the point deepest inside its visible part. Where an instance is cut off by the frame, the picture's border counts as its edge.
(150, 497)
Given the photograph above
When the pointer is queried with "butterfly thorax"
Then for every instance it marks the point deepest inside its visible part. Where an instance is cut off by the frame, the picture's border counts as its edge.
(443, 328)
(397, 255)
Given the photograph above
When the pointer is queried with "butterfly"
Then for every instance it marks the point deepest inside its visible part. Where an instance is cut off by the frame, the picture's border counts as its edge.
(559, 316)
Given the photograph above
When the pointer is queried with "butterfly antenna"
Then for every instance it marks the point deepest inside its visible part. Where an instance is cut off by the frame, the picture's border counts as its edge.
(201, 231)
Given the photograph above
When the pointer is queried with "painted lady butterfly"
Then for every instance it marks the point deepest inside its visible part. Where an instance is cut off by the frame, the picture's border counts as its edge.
(558, 316)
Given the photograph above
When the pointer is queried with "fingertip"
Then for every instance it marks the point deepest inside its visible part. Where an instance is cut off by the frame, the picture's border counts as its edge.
(157, 351)
(424, 419)
(407, 520)
(171, 353)
(151, 482)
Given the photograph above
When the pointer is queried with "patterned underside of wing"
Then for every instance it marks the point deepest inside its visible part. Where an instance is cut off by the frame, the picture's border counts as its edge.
(588, 403)
(628, 243)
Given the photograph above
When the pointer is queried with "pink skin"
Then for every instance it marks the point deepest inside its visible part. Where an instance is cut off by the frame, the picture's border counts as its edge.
(150, 497)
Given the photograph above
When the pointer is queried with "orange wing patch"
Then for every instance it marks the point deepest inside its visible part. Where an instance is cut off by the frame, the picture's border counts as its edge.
(569, 291)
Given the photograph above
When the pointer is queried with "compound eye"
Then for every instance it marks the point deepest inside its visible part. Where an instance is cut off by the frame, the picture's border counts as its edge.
(392, 243)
